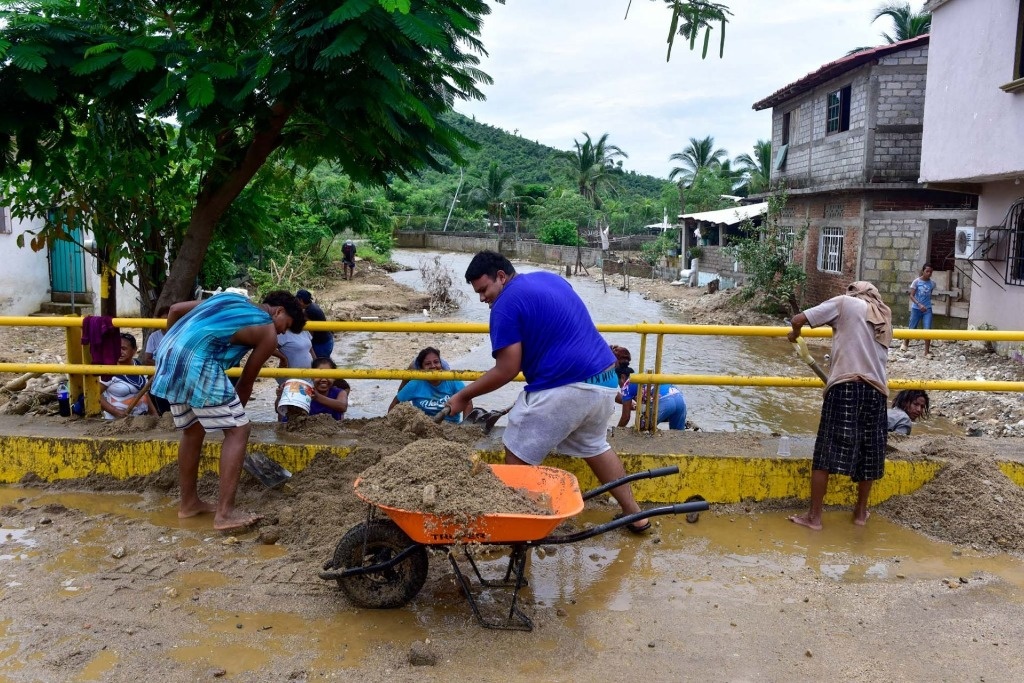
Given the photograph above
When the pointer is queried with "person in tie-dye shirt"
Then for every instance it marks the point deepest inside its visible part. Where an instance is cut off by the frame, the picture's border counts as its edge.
(203, 339)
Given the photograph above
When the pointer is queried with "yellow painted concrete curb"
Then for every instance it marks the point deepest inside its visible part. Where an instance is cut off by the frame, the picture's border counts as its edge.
(721, 479)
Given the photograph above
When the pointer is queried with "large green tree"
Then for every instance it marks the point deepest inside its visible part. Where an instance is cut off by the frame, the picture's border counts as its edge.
(592, 167)
(698, 155)
(360, 82)
(492, 192)
(757, 169)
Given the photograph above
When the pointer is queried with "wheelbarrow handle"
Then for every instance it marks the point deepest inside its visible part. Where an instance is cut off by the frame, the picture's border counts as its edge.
(646, 474)
(619, 522)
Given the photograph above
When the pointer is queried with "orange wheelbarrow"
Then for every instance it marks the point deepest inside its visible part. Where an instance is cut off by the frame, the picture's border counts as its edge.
(382, 563)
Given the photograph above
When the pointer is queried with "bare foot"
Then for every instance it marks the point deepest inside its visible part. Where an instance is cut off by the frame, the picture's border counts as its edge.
(193, 510)
(805, 520)
(235, 520)
(861, 521)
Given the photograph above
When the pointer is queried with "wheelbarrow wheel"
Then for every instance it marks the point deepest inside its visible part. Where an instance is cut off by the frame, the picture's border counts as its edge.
(371, 543)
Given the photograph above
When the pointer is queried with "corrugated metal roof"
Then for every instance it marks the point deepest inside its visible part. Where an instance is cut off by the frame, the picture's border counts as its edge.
(731, 216)
(835, 69)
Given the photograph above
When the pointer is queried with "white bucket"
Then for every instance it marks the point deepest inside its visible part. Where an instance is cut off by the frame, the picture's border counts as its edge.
(296, 397)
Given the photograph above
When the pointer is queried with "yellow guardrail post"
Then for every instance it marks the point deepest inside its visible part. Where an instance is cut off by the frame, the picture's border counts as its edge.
(655, 393)
(640, 364)
(73, 340)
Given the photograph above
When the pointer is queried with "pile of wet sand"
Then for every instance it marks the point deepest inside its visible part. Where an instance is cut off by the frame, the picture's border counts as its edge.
(970, 502)
(438, 476)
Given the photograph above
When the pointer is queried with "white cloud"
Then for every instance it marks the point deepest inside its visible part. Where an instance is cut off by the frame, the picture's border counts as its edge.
(565, 66)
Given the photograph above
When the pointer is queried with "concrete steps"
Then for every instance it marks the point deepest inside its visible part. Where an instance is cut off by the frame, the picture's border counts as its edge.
(54, 308)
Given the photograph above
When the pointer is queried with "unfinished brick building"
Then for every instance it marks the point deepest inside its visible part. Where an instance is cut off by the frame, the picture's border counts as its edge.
(846, 143)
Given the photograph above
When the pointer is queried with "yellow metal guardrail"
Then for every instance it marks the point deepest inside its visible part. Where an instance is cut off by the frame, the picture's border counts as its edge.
(79, 366)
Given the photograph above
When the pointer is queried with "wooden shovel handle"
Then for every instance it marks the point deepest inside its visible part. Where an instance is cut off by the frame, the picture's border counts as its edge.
(138, 397)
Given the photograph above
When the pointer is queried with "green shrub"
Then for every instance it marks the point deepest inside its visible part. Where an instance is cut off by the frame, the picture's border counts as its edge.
(559, 231)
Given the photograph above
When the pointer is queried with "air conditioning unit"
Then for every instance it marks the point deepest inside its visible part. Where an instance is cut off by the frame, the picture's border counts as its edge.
(969, 241)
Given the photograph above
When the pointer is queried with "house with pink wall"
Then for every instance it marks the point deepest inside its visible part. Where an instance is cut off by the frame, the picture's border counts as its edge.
(974, 142)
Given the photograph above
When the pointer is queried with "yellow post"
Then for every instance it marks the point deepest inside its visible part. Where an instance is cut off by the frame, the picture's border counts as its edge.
(652, 419)
(73, 341)
(643, 353)
(92, 385)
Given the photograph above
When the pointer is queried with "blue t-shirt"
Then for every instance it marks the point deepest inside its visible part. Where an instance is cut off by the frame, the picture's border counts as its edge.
(431, 399)
(922, 291)
(629, 390)
(561, 345)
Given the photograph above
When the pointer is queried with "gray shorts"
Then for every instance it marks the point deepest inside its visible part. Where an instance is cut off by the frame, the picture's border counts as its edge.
(572, 420)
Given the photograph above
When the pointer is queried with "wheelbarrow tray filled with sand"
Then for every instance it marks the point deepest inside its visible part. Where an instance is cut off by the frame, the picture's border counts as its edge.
(382, 563)
(548, 486)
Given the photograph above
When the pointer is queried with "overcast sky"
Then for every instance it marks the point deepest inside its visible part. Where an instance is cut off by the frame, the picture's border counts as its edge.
(561, 67)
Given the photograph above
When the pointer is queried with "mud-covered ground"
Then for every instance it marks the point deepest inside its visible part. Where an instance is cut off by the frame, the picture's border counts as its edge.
(119, 589)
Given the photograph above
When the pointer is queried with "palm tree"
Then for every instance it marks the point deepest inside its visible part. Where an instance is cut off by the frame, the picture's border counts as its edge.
(592, 166)
(699, 154)
(756, 169)
(492, 192)
(906, 22)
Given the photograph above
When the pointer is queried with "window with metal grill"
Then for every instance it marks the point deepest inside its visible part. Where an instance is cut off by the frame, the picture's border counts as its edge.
(5, 220)
(834, 210)
(1015, 251)
(830, 250)
(837, 113)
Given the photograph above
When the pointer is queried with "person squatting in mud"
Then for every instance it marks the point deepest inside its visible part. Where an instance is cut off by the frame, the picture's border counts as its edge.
(430, 395)
(203, 339)
(540, 326)
(853, 428)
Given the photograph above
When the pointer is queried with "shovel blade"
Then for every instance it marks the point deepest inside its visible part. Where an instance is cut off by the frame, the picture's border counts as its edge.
(268, 472)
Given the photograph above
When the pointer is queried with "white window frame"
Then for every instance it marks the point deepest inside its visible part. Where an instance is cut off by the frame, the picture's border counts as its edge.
(6, 228)
(830, 250)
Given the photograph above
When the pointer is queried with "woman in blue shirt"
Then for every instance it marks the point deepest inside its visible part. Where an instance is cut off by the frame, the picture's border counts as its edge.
(430, 396)
(671, 405)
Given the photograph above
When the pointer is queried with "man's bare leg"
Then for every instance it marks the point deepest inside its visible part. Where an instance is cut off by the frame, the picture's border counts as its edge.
(812, 518)
(232, 453)
(188, 472)
(606, 467)
(860, 512)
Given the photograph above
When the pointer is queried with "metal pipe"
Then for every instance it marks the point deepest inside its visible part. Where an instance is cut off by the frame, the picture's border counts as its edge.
(482, 328)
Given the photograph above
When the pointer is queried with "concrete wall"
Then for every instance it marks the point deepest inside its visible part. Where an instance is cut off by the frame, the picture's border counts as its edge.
(996, 303)
(896, 245)
(25, 275)
(973, 130)
(883, 143)
(898, 89)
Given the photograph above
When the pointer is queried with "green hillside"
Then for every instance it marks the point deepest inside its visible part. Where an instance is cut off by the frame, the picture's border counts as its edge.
(534, 172)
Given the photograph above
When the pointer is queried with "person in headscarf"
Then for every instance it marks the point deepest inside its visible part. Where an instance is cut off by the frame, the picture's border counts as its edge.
(853, 427)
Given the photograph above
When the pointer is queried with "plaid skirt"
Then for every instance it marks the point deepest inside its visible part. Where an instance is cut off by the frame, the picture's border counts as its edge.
(852, 432)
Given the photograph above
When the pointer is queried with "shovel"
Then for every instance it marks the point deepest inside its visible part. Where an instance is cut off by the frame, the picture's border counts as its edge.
(265, 470)
(800, 346)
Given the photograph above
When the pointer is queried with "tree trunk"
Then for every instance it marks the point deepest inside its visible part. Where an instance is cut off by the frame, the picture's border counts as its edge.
(221, 187)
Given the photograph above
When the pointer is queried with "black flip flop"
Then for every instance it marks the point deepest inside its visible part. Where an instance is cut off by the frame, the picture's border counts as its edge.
(639, 530)
(693, 517)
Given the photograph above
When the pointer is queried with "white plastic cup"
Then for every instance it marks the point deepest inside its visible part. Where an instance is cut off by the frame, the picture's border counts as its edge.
(784, 446)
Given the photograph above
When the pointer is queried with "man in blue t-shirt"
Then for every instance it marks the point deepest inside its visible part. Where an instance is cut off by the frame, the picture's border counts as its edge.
(541, 327)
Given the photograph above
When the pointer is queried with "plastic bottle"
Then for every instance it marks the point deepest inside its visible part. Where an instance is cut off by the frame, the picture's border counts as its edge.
(64, 400)
(784, 446)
